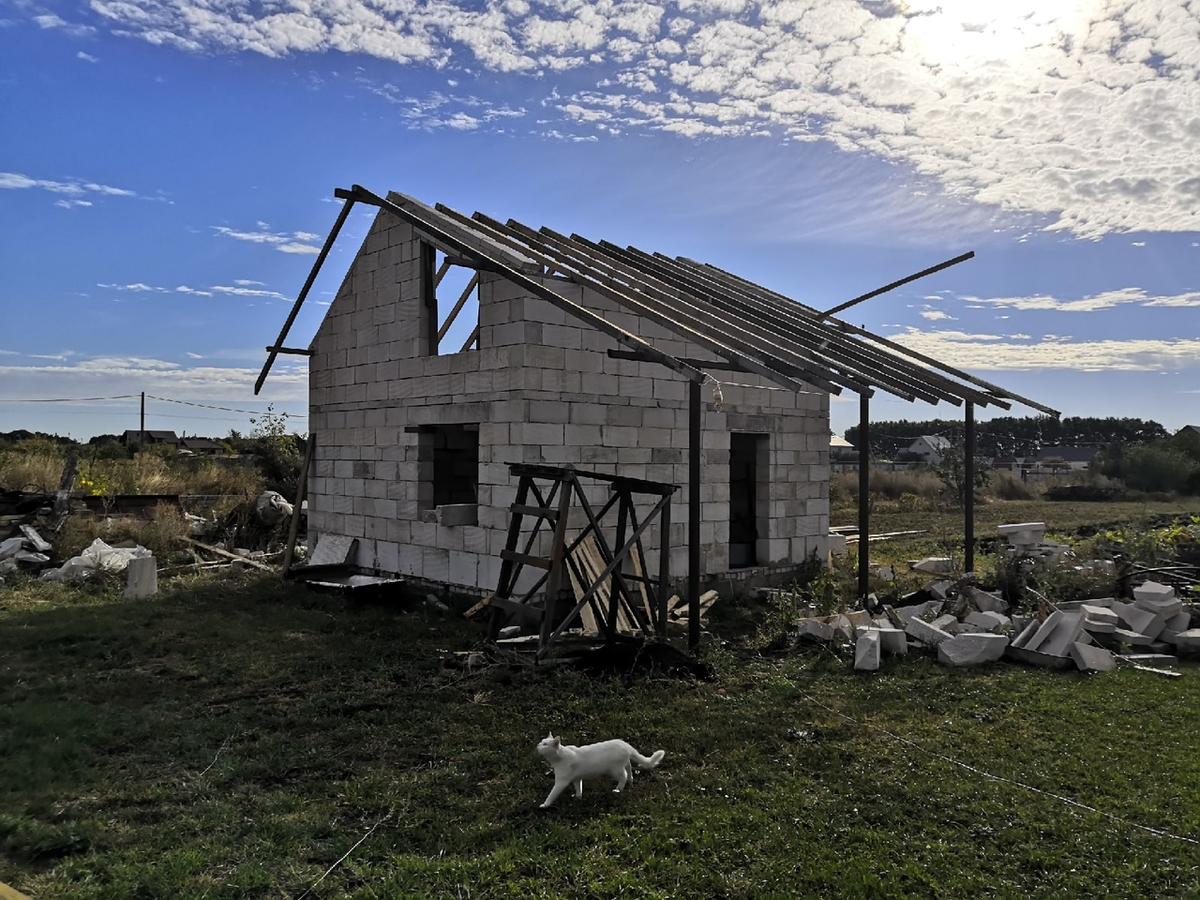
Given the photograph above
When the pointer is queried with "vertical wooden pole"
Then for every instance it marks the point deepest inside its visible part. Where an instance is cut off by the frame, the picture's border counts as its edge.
(301, 490)
(969, 499)
(864, 492)
(694, 517)
(664, 570)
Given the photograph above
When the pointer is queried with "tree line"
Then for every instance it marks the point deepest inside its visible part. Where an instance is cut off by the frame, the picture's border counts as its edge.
(1012, 435)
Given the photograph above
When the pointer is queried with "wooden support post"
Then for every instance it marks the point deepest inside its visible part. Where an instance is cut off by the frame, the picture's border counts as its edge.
(664, 569)
(301, 489)
(864, 492)
(693, 517)
(969, 498)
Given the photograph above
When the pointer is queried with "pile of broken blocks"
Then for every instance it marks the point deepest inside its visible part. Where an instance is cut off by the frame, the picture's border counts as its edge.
(967, 626)
(1093, 635)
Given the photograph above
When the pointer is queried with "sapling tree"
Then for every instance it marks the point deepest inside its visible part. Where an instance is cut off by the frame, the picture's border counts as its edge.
(952, 470)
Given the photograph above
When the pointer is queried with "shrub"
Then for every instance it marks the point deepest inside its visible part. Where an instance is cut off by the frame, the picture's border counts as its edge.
(1157, 467)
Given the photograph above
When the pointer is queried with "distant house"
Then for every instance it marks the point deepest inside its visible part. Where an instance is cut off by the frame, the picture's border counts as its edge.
(1067, 459)
(200, 446)
(136, 436)
(842, 453)
(1189, 431)
(928, 449)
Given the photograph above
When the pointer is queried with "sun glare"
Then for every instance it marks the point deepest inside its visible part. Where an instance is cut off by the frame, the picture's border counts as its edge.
(967, 32)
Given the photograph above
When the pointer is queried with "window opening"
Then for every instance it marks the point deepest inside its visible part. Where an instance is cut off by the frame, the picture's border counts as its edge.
(449, 465)
(451, 303)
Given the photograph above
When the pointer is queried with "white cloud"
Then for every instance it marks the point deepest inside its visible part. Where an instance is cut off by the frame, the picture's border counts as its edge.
(75, 189)
(285, 243)
(1101, 301)
(1083, 114)
(983, 352)
(241, 290)
(73, 29)
(86, 57)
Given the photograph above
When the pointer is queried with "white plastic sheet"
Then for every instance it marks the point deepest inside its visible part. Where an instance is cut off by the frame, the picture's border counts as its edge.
(98, 557)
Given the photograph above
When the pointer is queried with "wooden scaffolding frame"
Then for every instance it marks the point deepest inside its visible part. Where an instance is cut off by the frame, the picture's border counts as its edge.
(606, 589)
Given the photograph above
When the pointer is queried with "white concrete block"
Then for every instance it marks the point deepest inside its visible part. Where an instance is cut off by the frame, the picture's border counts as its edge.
(1065, 633)
(972, 649)
(1027, 632)
(1135, 618)
(1152, 590)
(1188, 640)
(143, 578)
(926, 633)
(1044, 630)
(892, 641)
(815, 628)
(867, 651)
(988, 621)
(1092, 659)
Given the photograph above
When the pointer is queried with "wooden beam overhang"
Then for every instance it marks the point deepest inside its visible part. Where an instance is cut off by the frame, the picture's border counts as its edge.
(993, 394)
(444, 236)
(884, 364)
(273, 350)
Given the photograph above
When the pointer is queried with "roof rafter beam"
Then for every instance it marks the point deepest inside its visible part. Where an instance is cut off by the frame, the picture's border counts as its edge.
(765, 345)
(996, 395)
(312, 276)
(856, 361)
(418, 221)
(891, 365)
(648, 306)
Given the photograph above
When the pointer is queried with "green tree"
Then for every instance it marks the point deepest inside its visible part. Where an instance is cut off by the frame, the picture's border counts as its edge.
(276, 451)
(952, 470)
(1158, 467)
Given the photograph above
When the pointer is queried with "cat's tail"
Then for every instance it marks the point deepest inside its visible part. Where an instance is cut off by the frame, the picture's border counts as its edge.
(648, 762)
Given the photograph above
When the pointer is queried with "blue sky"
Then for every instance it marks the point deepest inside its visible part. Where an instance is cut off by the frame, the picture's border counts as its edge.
(167, 173)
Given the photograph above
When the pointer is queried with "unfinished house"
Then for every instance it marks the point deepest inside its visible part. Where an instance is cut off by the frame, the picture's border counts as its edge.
(677, 379)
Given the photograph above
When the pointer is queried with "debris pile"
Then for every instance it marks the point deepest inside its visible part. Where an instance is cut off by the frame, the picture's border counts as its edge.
(1093, 635)
(967, 626)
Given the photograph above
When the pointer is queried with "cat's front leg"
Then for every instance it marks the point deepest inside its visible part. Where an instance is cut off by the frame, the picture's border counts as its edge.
(578, 788)
(559, 787)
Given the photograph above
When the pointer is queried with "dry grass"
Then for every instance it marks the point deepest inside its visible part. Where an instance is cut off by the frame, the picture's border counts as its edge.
(40, 467)
(163, 534)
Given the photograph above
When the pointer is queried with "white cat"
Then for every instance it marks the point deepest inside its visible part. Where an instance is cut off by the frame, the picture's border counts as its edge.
(572, 764)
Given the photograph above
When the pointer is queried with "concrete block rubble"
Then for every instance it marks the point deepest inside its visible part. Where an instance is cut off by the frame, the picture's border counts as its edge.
(967, 626)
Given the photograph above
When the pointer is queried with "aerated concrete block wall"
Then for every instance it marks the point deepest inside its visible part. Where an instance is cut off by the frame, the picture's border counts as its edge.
(542, 390)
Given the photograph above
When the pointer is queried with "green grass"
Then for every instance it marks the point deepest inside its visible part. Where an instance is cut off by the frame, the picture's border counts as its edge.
(235, 737)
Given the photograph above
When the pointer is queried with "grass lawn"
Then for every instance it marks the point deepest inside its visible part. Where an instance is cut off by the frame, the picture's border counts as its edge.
(239, 737)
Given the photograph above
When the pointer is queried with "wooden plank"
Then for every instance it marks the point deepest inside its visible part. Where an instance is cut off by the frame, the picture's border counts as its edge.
(625, 622)
(539, 511)
(639, 570)
(225, 553)
(7, 893)
(480, 606)
(538, 562)
(587, 617)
